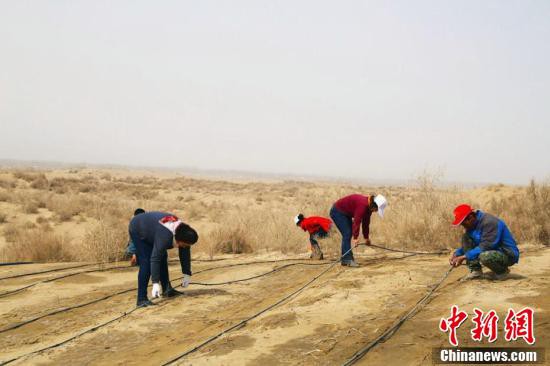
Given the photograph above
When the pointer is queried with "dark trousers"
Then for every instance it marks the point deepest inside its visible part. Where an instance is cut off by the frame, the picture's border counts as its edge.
(143, 252)
(343, 223)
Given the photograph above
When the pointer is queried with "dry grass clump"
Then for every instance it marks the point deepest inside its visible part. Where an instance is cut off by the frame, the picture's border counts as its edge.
(235, 217)
(40, 182)
(11, 232)
(419, 218)
(527, 214)
(4, 196)
(105, 241)
(38, 245)
(233, 240)
(31, 207)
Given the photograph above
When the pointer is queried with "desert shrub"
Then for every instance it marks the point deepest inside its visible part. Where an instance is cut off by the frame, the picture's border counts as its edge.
(41, 220)
(233, 240)
(3, 218)
(106, 176)
(30, 207)
(4, 196)
(40, 182)
(39, 245)
(527, 214)
(105, 241)
(85, 188)
(421, 219)
(24, 175)
(11, 232)
(65, 206)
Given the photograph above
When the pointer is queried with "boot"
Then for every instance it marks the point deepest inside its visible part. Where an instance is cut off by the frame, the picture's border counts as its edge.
(171, 292)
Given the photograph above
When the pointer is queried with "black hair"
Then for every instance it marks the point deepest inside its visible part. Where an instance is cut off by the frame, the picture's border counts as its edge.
(300, 218)
(186, 234)
(138, 211)
(373, 205)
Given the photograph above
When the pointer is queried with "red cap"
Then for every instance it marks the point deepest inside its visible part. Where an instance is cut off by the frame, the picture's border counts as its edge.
(460, 212)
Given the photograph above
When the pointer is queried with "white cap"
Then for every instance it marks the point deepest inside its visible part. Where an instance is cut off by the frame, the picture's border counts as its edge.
(381, 202)
(296, 219)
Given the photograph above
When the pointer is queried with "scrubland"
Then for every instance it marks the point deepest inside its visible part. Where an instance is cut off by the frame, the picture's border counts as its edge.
(83, 214)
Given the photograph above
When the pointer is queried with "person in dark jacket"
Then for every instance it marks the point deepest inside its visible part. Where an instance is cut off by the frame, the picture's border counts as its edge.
(318, 228)
(349, 213)
(131, 247)
(153, 233)
(487, 241)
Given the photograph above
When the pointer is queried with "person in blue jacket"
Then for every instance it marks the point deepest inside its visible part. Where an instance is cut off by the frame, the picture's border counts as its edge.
(487, 241)
(131, 247)
(153, 233)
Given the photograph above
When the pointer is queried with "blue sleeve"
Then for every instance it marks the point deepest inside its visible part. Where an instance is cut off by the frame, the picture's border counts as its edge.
(474, 253)
(185, 260)
(459, 252)
(163, 241)
(131, 249)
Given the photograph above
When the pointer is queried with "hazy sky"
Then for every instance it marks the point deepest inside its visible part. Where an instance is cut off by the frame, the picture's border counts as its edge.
(352, 89)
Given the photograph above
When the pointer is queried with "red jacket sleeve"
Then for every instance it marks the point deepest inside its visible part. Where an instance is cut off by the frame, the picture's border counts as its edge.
(358, 216)
(366, 224)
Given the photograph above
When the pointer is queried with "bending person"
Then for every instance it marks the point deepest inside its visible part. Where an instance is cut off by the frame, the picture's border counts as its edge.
(153, 233)
(351, 212)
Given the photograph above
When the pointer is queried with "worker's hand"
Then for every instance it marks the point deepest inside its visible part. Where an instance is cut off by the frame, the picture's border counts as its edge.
(185, 281)
(452, 259)
(133, 261)
(458, 260)
(155, 292)
(367, 241)
(355, 242)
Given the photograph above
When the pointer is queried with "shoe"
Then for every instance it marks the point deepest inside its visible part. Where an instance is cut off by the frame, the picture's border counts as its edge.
(144, 303)
(501, 276)
(171, 292)
(349, 263)
(473, 275)
(316, 253)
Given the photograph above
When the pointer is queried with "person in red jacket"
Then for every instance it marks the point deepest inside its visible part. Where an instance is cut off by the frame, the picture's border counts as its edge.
(349, 214)
(318, 228)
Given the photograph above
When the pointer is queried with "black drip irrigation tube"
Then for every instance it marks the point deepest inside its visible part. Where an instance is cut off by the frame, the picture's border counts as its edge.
(94, 328)
(48, 271)
(403, 251)
(11, 292)
(209, 340)
(15, 263)
(84, 265)
(61, 310)
(391, 331)
(243, 322)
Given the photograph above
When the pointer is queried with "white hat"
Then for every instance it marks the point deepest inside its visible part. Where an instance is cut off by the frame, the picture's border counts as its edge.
(297, 219)
(381, 202)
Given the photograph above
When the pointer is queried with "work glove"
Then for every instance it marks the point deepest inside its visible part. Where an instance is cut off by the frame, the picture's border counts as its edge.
(155, 292)
(186, 280)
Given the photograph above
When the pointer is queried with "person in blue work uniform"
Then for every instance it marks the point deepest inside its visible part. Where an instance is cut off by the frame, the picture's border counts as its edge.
(153, 233)
(131, 247)
(487, 241)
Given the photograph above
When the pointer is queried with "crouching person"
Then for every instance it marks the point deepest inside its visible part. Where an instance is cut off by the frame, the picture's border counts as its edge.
(153, 233)
(318, 228)
(487, 241)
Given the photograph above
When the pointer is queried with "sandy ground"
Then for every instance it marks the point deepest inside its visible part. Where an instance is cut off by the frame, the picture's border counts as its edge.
(324, 325)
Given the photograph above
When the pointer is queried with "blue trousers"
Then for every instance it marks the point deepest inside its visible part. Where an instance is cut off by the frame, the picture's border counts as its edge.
(143, 252)
(343, 223)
